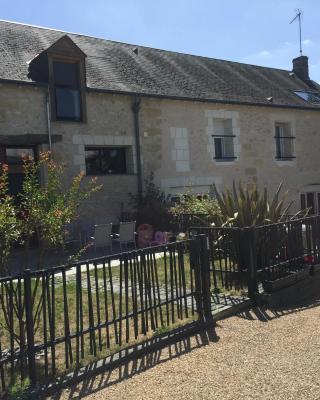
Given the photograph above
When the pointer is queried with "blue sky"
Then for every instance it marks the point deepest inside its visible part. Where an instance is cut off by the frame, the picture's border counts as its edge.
(251, 31)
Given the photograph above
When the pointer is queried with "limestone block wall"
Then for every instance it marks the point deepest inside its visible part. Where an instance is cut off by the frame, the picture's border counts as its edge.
(176, 143)
(110, 122)
(254, 146)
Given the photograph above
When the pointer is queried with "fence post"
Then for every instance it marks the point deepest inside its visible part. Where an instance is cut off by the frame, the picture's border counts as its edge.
(205, 276)
(251, 262)
(30, 328)
(195, 265)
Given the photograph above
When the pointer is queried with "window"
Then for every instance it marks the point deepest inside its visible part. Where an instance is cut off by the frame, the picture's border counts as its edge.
(67, 91)
(284, 141)
(106, 160)
(311, 200)
(223, 139)
(310, 97)
(13, 156)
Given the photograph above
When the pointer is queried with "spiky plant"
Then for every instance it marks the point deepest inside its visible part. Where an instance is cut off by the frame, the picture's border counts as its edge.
(243, 206)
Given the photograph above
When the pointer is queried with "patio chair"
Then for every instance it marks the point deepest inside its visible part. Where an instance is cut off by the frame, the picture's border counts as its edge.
(102, 236)
(127, 235)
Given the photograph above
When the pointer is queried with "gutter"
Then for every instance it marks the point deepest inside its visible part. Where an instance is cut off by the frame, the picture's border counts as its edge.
(49, 121)
(136, 109)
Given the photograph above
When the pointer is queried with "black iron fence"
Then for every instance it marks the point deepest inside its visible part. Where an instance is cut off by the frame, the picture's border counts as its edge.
(242, 258)
(60, 319)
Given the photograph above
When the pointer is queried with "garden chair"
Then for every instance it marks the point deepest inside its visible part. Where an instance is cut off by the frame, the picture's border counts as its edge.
(127, 235)
(102, 236)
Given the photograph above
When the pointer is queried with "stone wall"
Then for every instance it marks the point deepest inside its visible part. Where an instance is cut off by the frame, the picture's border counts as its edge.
(254, 146)
(176, 143)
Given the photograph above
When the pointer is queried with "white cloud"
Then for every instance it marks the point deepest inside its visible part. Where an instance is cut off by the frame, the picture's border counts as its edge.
(307, 42)
(278, 57)
(264, 53)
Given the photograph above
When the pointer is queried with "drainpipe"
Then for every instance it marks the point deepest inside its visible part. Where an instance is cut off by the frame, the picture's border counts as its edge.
(49, 120)
(135, 110)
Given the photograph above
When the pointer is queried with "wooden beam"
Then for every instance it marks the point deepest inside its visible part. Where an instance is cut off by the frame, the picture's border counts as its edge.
(28, 139)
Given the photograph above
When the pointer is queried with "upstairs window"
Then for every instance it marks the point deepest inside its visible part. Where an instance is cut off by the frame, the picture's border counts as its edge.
(106, 160)
(284, 141)
(223, 139)
(67, 91)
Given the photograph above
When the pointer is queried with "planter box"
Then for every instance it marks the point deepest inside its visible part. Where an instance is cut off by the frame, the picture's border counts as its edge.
(290, 279)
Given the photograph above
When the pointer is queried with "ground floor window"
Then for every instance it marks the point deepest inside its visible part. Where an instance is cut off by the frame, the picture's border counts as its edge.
(311, 200)
(107, 160)
(13, 157)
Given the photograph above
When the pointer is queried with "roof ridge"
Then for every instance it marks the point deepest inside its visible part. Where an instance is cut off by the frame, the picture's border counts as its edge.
(142, 46)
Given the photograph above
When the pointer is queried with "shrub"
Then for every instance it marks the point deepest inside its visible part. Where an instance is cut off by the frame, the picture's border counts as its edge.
(10, 226)
(203, 208)
(152, 207)
(46, 209)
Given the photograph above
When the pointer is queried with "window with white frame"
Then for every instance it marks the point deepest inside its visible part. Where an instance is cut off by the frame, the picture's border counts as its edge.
(311, 201)
(284, 141)
(223, 139)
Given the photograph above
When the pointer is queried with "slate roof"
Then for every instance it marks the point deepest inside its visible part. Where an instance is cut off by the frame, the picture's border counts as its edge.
(114, 66)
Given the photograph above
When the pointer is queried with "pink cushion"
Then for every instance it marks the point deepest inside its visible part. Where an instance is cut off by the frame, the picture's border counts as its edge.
(160, 237)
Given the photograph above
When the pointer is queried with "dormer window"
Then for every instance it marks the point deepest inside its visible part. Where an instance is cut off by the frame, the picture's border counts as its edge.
(67, 91)
(62, 66)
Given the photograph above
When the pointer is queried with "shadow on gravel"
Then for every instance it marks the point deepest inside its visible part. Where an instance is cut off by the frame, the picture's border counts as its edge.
(136, 366)
(266, 314)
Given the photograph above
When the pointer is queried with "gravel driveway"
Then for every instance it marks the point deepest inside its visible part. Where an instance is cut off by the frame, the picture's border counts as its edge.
(260, 355)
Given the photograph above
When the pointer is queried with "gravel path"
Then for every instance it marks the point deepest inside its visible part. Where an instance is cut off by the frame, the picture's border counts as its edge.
(251, 359)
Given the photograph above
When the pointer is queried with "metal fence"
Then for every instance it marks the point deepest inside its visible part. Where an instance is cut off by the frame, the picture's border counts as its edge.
(60, 319)
(242, 258)
(227, 258)
(286, 247)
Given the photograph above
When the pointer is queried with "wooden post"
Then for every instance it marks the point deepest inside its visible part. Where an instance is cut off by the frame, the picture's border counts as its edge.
(30, 328)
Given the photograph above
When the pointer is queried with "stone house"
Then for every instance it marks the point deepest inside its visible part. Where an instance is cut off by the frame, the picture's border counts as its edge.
(121, 111)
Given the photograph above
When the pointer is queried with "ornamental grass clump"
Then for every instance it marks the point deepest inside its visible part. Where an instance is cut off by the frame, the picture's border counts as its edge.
(244, 206)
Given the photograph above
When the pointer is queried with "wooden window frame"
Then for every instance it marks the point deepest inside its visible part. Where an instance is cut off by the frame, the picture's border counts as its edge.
(82, 87)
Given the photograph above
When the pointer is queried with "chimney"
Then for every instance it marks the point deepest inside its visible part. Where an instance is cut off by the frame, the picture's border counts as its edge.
(301, 67)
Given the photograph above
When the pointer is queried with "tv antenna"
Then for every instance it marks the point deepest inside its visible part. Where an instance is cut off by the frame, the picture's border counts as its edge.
(298, 16)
